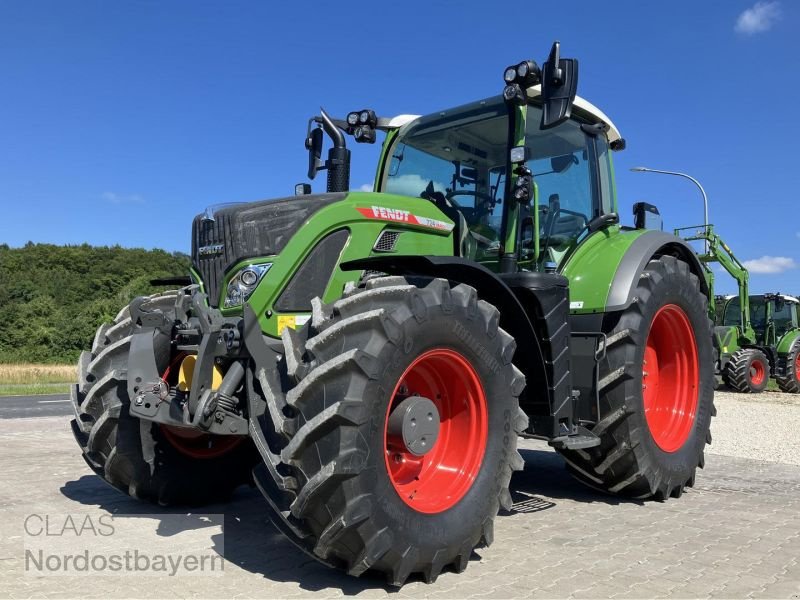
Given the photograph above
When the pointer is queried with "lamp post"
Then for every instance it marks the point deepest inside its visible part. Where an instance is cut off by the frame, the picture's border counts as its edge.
(685, 176)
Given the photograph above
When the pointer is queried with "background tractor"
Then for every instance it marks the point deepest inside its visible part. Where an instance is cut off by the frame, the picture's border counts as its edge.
(755, 337)
(772, 351)
(373, 357)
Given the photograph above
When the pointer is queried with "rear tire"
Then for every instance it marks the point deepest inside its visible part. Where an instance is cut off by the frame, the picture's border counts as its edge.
(747, 372)
(349, 362)
(112, 441)
(648, 449)
(790, 381)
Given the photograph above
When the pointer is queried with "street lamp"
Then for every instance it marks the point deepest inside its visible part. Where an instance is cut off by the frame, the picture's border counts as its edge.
(685, 176)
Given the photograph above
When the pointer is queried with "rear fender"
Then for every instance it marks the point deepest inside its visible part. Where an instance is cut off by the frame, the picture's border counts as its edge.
(606, 267)
(650, 245)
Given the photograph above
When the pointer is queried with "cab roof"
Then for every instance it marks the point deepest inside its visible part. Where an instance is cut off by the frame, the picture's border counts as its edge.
(588, 110)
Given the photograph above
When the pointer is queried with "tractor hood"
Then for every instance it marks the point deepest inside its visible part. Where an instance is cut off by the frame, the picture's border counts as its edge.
(235, 232)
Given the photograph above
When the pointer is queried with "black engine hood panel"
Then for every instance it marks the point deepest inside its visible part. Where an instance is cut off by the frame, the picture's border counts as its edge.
(240, 231)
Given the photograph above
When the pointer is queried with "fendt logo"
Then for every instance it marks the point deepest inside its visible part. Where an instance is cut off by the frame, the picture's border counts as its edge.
(210, 251)
(403, 216)
(390, 214)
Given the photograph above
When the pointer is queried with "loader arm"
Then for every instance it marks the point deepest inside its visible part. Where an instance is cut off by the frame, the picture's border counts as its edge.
(718, 251)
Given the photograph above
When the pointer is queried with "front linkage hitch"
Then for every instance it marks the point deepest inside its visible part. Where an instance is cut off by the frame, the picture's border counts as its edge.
(214, 339)
(251, 361)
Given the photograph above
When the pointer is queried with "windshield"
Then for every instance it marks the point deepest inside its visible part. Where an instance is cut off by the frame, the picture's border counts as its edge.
(457, 158)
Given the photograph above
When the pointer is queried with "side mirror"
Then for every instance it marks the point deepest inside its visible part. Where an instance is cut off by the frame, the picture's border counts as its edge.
(559, 86)
(646, 216)
(314, 147)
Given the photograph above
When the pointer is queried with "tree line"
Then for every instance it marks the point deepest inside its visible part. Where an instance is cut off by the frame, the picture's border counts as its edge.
(53, 298)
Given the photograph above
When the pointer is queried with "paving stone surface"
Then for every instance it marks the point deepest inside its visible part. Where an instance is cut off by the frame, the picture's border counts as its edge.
(735, 535)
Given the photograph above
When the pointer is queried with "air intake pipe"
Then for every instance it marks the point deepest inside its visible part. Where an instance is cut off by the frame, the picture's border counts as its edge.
(338, 163)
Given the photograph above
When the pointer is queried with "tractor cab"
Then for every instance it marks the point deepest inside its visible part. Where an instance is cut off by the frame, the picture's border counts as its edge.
(772, 316)
(524, 176)
(457, 160)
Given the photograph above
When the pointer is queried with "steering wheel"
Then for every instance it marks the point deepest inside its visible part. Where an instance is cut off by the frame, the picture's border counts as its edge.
(475, 213)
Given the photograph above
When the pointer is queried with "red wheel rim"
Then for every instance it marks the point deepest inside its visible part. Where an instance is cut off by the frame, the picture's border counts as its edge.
(192, 443)
(757, 372)
(436, 481)
(797, 367)
(670, 378)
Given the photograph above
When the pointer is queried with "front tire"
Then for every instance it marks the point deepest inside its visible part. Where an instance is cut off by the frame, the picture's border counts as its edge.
(656, 390)
(747, 372)
(790, 381)
(115, 444)
(364, 507)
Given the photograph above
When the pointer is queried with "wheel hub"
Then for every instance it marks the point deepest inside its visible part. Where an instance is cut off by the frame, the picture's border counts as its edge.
(415, 423)
(436, 431)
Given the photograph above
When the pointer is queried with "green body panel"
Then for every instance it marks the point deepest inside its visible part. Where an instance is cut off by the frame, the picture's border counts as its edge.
(364, 231)
(592, 266)
(727, 340)
(787, 340)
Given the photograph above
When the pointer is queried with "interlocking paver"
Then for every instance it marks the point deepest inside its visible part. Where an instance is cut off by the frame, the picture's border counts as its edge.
(735, 535)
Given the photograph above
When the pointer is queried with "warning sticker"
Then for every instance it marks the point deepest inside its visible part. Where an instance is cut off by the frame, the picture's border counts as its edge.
(285, 321)
(293, 321)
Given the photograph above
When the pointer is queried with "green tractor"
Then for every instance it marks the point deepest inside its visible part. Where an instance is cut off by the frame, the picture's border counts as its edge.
(372, 358)
(755, 337)
(773, 348)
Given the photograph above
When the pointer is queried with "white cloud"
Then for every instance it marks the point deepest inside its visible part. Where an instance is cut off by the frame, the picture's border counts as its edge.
(115, 198)
(770, 265)
(367, 187)
(758, 18)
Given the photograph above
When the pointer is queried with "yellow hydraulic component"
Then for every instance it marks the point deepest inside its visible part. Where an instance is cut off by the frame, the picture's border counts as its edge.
(187, 371)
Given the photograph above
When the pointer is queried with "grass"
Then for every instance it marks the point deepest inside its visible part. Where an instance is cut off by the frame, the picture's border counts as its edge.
(25, 379)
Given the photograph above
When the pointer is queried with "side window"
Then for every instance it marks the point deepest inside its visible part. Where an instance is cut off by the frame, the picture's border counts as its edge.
(412, 170)
(783, 318)
(732, 312)
(562, 162)
(605, 173)
(758, 314)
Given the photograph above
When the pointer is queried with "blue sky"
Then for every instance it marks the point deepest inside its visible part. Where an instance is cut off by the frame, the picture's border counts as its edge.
(112, 110)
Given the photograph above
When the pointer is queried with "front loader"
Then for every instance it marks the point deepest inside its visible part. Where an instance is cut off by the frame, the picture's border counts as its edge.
(755, 336)
(373, 357)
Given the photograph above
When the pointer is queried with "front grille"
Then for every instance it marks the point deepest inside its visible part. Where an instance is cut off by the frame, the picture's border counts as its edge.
(312, 277)
(212, 235)
(386, 241)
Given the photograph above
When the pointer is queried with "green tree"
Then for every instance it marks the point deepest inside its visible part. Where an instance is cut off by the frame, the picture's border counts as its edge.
(52, 298)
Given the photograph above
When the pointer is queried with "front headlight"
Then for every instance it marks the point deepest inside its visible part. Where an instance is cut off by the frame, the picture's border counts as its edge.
(243, 284)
